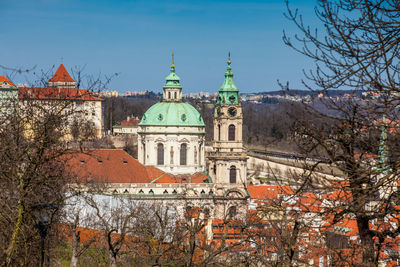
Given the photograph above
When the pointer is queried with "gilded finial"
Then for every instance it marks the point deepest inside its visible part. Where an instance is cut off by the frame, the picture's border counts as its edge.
(173, 63)
(229, 58)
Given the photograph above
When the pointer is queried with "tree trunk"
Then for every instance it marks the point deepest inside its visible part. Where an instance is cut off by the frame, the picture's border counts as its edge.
(74, 257)
(15, 234)
(113, 260)
(367, 242)
(74, 260)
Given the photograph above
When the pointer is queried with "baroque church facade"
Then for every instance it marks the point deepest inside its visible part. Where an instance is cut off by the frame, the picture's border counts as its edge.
(173, 167)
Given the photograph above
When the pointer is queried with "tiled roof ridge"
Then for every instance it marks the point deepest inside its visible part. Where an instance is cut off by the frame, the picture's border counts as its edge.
(57, 93)
(5, 79)
(61, 75)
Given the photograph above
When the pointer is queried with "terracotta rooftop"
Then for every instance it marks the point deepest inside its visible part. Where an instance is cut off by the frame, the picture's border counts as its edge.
(263, 192)
(130, 122)
(4, 79)
(43, 93)
(117, 166)
(107, 165)
(61, 75)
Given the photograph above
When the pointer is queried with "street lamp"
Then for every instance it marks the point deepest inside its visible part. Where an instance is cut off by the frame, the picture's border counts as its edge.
(43, 214)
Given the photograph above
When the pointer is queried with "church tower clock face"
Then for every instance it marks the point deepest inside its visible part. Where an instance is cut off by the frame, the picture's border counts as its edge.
(232, 112)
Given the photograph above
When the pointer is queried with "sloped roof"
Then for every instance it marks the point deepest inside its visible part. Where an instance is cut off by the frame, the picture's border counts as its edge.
(196, 178)
(117, 166)
(47, 93)
(130, 122)
(107, 165)
(61, 75)
(263, 192)
(4, 79)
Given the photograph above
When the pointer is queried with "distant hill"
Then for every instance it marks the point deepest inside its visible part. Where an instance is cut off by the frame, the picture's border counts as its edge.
(332, 93)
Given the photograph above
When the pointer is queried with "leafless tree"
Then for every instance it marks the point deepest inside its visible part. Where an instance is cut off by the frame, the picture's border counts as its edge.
(357, 49)
(33, 131)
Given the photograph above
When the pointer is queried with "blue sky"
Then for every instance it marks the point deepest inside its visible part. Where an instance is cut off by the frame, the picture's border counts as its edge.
(136, 38)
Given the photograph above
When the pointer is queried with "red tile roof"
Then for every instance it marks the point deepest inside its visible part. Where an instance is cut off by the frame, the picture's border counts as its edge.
(263, 192)
(61, 75)
(43, 93)
(107, 165)
(197, 178)
(129, 122)
(4, 79)
(117, 166)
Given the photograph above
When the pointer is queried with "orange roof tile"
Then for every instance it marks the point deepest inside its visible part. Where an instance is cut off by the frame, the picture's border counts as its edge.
(117, 166)
(43, 93)
(268, 191)
(61, 75)
(129, 122)
(196, 178)
(4, 79)
(107, 165)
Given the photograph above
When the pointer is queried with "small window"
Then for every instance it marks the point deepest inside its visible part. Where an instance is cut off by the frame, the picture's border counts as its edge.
(169, 95)
(160, 154)
(232, 212)
(82, 162)
(232, 99)
(175, 95)
(231, 132)
(125, 162)
(183, 153)
(232, 175)
(100, 161)
(207, 211)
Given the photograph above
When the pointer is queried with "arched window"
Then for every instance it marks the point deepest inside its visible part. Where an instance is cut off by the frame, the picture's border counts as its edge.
(231, 132)
(232, 175)
(160, 154)
(219, 132)
(175, 95)
(232, 212)
(169, 95)
(183, 154)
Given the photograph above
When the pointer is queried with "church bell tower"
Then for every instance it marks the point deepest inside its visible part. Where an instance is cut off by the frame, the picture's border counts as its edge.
(227, 161)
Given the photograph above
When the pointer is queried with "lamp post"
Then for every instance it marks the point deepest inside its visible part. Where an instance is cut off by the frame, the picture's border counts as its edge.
(43, 214)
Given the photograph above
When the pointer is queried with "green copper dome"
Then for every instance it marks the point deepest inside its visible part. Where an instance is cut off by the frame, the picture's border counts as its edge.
(228, 93)
(172, 114)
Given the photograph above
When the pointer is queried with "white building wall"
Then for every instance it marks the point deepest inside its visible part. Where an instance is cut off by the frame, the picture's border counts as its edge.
(172, 137)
